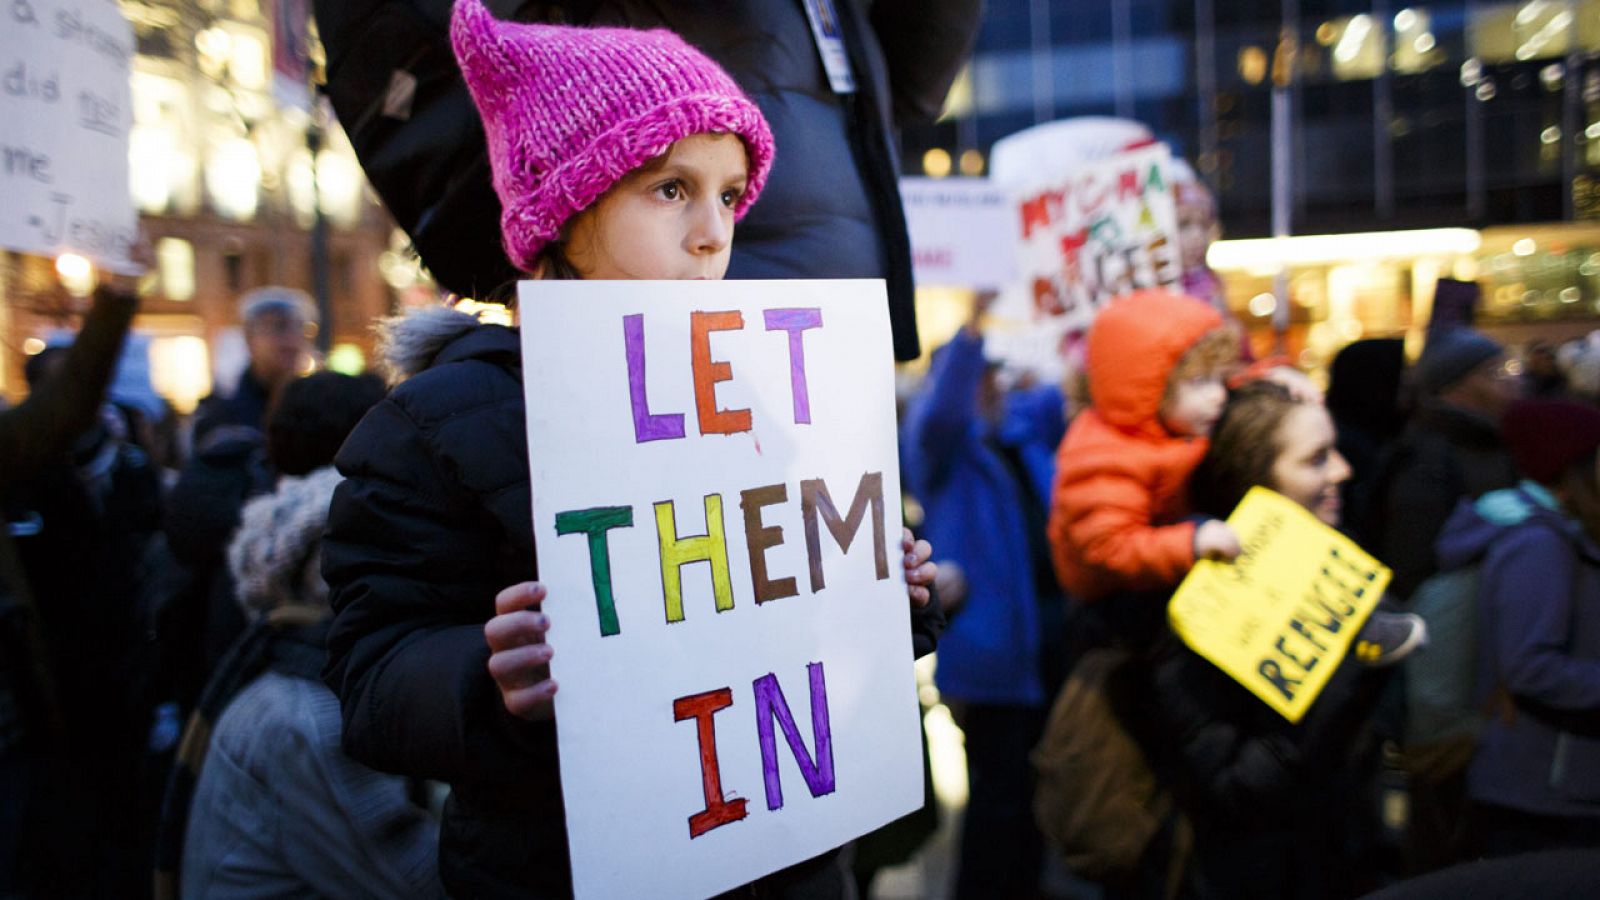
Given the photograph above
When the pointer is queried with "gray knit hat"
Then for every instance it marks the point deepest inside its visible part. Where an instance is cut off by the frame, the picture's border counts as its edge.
(1450, 355)
(276, 299)
(276, 555)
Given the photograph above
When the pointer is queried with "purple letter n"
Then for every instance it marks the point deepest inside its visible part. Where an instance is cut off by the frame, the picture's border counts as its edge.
(770, 705)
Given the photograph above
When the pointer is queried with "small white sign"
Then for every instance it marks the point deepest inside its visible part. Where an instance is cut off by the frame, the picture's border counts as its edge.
(963, 232)
(717, 514)
(65, 114)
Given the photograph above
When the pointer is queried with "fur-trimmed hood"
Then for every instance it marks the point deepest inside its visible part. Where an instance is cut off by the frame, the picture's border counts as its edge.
(409, 343)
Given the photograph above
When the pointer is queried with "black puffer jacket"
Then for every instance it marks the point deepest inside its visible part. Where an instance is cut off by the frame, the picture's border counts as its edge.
(434, 518)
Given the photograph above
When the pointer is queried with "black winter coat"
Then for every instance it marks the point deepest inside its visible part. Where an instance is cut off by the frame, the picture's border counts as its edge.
(1444, 455)
(1275, 806)
(435, 518)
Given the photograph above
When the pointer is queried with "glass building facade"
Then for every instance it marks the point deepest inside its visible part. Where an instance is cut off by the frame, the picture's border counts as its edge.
(1478, 114)
(1464, 113)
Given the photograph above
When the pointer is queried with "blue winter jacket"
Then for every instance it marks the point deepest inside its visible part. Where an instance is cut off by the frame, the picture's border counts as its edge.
(1539, 638)
(990, 652)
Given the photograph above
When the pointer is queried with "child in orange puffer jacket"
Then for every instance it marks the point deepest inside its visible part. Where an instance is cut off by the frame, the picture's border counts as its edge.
(1118, 515)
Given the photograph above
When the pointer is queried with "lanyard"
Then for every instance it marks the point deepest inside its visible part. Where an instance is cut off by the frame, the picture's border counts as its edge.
(828, 34)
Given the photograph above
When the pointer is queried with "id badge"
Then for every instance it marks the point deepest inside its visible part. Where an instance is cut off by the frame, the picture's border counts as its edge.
(826, 31)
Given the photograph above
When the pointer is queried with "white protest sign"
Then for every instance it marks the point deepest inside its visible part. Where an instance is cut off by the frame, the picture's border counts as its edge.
(1045, 151)
(1100, 230)
(717, 514)
(65, 113)
(963, 231)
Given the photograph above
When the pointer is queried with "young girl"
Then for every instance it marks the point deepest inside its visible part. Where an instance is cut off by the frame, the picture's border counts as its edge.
(617, 154)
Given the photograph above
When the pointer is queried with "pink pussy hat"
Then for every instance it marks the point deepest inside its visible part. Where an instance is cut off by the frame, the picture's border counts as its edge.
(567, 112)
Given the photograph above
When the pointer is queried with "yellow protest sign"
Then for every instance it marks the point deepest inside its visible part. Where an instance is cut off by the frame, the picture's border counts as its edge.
(1281, 617)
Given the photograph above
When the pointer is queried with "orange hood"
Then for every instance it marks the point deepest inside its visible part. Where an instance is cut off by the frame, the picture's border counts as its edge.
(1134, 344)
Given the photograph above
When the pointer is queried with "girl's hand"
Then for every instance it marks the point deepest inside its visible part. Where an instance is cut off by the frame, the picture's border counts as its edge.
(919, 572)
(519, 658)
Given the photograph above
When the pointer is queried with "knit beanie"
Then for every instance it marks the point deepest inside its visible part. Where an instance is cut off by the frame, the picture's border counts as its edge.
(275, 299)
(1450, 355)
(1546, 436)
(275, 556)
(567, 112)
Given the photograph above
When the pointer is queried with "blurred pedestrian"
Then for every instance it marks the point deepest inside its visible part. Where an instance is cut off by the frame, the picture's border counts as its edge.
(1541, 372)
(92, 515)
(1364, 382)
(34, 433)
(277, 807)
(1535, 779)
(1198, 229)
(1451, 449)
(228, 465)
(278, 323)
(1119, 525)
(980, 460)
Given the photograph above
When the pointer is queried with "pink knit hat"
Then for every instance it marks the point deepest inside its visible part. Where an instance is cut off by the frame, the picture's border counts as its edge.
(567, 112)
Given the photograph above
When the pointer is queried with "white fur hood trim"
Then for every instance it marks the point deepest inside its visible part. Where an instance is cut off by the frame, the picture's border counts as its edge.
(408, 343)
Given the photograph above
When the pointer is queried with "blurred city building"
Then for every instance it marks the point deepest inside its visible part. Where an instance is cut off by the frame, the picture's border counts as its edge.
(1455, 139)
(231, 165)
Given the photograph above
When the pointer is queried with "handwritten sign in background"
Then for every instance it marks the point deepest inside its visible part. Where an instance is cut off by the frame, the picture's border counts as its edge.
(65, 114)
(1281, 617)
(650, 812)
(1102, 229)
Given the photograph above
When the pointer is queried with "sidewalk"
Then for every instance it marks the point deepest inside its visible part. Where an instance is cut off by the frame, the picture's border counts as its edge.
(930, 875)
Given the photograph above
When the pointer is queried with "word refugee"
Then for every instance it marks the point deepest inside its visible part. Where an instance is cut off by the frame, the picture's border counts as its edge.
(1327, 605)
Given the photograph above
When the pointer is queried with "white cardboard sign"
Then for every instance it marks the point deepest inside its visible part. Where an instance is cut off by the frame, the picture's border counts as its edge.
(65, 114)
(1103, 229)
(963, 232)
(717, 514)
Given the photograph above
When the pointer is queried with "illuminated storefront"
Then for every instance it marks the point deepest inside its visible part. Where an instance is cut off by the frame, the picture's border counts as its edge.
(228, 190)
(1537, 283)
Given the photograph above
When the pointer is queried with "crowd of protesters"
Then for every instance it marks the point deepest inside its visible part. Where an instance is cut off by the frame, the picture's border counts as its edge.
(1471, 472)
(140, 593)
(307, 657)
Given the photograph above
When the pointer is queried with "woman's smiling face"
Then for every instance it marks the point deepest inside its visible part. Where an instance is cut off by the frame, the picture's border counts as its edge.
(1308, 470)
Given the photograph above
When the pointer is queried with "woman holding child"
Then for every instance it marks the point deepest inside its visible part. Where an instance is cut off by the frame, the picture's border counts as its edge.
(1145, 477)
(1277, 808)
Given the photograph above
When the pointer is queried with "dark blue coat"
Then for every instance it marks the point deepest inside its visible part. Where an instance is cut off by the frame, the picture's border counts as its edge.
(1539, 640)
(831, 207)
